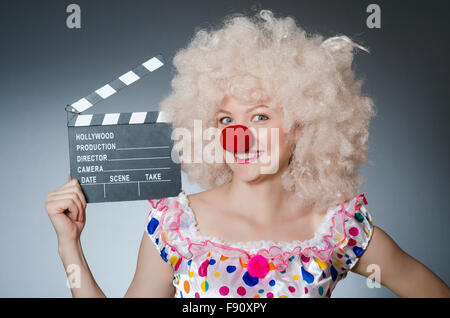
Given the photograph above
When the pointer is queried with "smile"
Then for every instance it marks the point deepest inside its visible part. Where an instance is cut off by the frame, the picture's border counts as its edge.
(247, 157)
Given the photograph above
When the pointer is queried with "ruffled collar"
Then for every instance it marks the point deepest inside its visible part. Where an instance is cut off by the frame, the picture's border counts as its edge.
(180, 231)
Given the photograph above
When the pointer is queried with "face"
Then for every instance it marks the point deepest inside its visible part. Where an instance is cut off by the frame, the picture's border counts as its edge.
(270, 152)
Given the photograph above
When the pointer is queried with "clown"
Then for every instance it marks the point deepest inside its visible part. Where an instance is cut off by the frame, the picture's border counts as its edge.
(293, 230)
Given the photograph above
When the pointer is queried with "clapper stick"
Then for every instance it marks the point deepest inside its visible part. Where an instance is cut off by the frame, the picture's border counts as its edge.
(122, 156)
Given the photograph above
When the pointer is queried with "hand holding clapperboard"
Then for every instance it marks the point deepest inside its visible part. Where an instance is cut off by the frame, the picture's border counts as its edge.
(122, 156)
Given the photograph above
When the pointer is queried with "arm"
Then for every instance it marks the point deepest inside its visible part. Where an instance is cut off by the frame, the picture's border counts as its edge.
(400, 272)
(66, 208)
(153, 277)
(72, 253)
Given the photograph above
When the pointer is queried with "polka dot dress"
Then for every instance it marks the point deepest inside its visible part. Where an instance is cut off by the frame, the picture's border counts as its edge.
(206, 266)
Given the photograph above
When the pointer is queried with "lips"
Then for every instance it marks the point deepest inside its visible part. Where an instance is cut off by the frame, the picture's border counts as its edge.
(247, 157)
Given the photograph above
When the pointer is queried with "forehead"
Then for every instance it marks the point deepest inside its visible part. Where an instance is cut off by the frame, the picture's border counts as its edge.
(232, 104)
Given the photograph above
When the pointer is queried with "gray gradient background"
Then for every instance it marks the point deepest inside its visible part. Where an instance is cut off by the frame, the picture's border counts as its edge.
(45, 65)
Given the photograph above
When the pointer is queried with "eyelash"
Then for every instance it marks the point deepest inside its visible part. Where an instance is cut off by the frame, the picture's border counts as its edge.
(220, 120)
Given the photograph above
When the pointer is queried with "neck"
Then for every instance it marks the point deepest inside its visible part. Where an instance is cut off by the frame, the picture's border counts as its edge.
(264, 200)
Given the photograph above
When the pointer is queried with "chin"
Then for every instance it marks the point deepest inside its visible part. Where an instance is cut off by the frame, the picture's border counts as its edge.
(247, 173)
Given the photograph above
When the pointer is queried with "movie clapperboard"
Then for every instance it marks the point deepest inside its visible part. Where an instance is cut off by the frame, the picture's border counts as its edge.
(122, 156)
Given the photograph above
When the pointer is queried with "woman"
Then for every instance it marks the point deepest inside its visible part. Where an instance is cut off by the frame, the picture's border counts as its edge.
(286, 226)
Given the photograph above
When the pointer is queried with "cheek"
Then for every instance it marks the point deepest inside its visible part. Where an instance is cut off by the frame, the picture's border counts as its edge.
(274, 137)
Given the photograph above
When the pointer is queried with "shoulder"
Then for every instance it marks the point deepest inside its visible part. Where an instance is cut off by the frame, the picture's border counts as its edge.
(206, 204)
(352, 231)
(161, 219)
(171, 225)
(205, 197)
(381, 248)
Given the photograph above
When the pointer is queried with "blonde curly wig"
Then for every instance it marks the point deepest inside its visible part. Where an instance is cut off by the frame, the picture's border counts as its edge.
(253, 58)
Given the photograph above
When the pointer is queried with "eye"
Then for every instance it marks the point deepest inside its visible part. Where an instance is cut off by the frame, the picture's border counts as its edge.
(221, 120)
(261, 117)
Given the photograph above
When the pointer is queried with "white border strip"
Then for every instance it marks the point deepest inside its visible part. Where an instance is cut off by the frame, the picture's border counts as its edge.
(83, 120)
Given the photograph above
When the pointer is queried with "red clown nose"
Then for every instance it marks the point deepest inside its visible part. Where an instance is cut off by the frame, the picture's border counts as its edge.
(236, 138)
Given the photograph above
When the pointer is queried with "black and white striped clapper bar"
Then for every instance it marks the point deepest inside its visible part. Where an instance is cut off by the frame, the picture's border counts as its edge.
(122, 156)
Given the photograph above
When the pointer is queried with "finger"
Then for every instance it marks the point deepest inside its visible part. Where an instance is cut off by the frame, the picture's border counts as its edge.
(72, 182)
(67, 206)
(64, 188)
(73, 209)
(69, 188)
(64, 198)
(77, 191)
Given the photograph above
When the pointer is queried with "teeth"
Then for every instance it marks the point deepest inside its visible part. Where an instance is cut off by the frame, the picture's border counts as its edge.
(244, 156)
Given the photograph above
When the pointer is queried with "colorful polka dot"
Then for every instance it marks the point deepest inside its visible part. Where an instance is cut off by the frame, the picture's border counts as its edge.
(202, 270)
(358, 251)
(307, 276)
(337, 263)
(284, 296)
(189, 262)
(197, 295)
(320, 290)
(322, 265)
(241, 291)
(269, 295)
(187, 287)
(257, 296)
(204, 286)
(224, 290)
(295, 277)
(250, 280)
(306, 290)
(164, 254)
(223, 258)
(261, 291)
(152, 225)
(291, 289)
(272, 283)
(359, 217)
(351, 242)
(353, 231)
(191, 274)
(212, 261)
(231, 268)
(304, 258)
(173, 260)
(333, 273)
(217, 274)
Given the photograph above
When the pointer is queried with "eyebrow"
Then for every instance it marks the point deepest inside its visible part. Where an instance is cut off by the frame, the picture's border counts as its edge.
(248, 110)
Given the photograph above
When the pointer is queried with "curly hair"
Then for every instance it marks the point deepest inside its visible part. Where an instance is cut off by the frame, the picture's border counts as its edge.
(259, 57)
